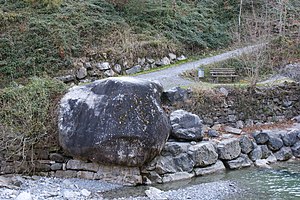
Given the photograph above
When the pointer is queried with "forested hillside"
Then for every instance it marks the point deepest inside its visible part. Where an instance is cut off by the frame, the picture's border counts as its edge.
(39, 37)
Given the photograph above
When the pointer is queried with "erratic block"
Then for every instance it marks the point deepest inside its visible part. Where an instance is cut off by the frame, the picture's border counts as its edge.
(114, 121)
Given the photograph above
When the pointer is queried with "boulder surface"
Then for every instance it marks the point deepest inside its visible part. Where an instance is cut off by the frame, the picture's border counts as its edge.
(114, 121)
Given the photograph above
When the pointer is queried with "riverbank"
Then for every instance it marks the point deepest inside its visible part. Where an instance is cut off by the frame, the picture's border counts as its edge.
(38, 188)
(251, 183)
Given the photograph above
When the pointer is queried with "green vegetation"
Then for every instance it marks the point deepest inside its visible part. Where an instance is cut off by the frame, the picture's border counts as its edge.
(27, 118)
(36, 40)
(42, 36)
(253, 67)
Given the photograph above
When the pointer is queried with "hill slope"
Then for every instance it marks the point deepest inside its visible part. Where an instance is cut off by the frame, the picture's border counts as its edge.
(40, 36)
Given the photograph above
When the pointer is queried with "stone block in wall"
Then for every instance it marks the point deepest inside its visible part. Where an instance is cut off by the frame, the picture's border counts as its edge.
(239, 124)
(240, 162)
(249, 122)
(262, 163)
(57, 157)
(134, 70)
(232, 118)
(271, 158)
(256, 154)
(296, 149)
(177, 176)
(290, 138)
(266, 152)
(175, 148)
(42, 167)
(246, 144)
(81, 165)
(169, 164)
(65, 174)
(217, 167)
(118, 174)
(86, 175)
(229, 149)
(203, 154)
(274, 143)
(183, 162)
(261, 137)
(56, 166)
(154, 177)
(232, 130)
(285, 153)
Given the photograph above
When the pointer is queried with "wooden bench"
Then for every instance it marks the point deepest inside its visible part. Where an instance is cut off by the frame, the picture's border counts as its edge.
(217, 73)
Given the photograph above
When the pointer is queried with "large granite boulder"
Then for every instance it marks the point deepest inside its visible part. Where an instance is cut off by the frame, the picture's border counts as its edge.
(114, 121)
(186, 126)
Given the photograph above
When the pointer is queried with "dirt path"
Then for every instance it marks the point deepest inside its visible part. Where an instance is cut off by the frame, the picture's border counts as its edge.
(170, 77)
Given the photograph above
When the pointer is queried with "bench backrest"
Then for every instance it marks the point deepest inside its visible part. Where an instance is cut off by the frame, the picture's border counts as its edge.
(216, 71)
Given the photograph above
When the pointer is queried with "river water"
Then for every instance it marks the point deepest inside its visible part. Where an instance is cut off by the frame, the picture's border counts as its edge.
(280, 182)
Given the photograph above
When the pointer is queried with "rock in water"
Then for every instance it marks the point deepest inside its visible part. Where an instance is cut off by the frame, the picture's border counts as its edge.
(114, 121)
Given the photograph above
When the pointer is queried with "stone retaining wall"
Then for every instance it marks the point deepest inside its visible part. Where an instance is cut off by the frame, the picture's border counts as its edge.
(86, 70)
(178, 160)
(242, 107)
(181, 160)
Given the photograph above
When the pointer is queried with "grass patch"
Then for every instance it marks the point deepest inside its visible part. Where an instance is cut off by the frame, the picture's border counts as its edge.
(27, 118)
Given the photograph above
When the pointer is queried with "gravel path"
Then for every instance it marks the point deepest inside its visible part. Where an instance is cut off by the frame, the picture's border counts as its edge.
(170, 77)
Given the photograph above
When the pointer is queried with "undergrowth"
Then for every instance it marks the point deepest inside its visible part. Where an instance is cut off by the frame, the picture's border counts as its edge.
(43, 37)
(27, 118)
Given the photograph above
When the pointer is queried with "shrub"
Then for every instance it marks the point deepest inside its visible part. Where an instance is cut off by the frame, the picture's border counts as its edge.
(27, 117)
